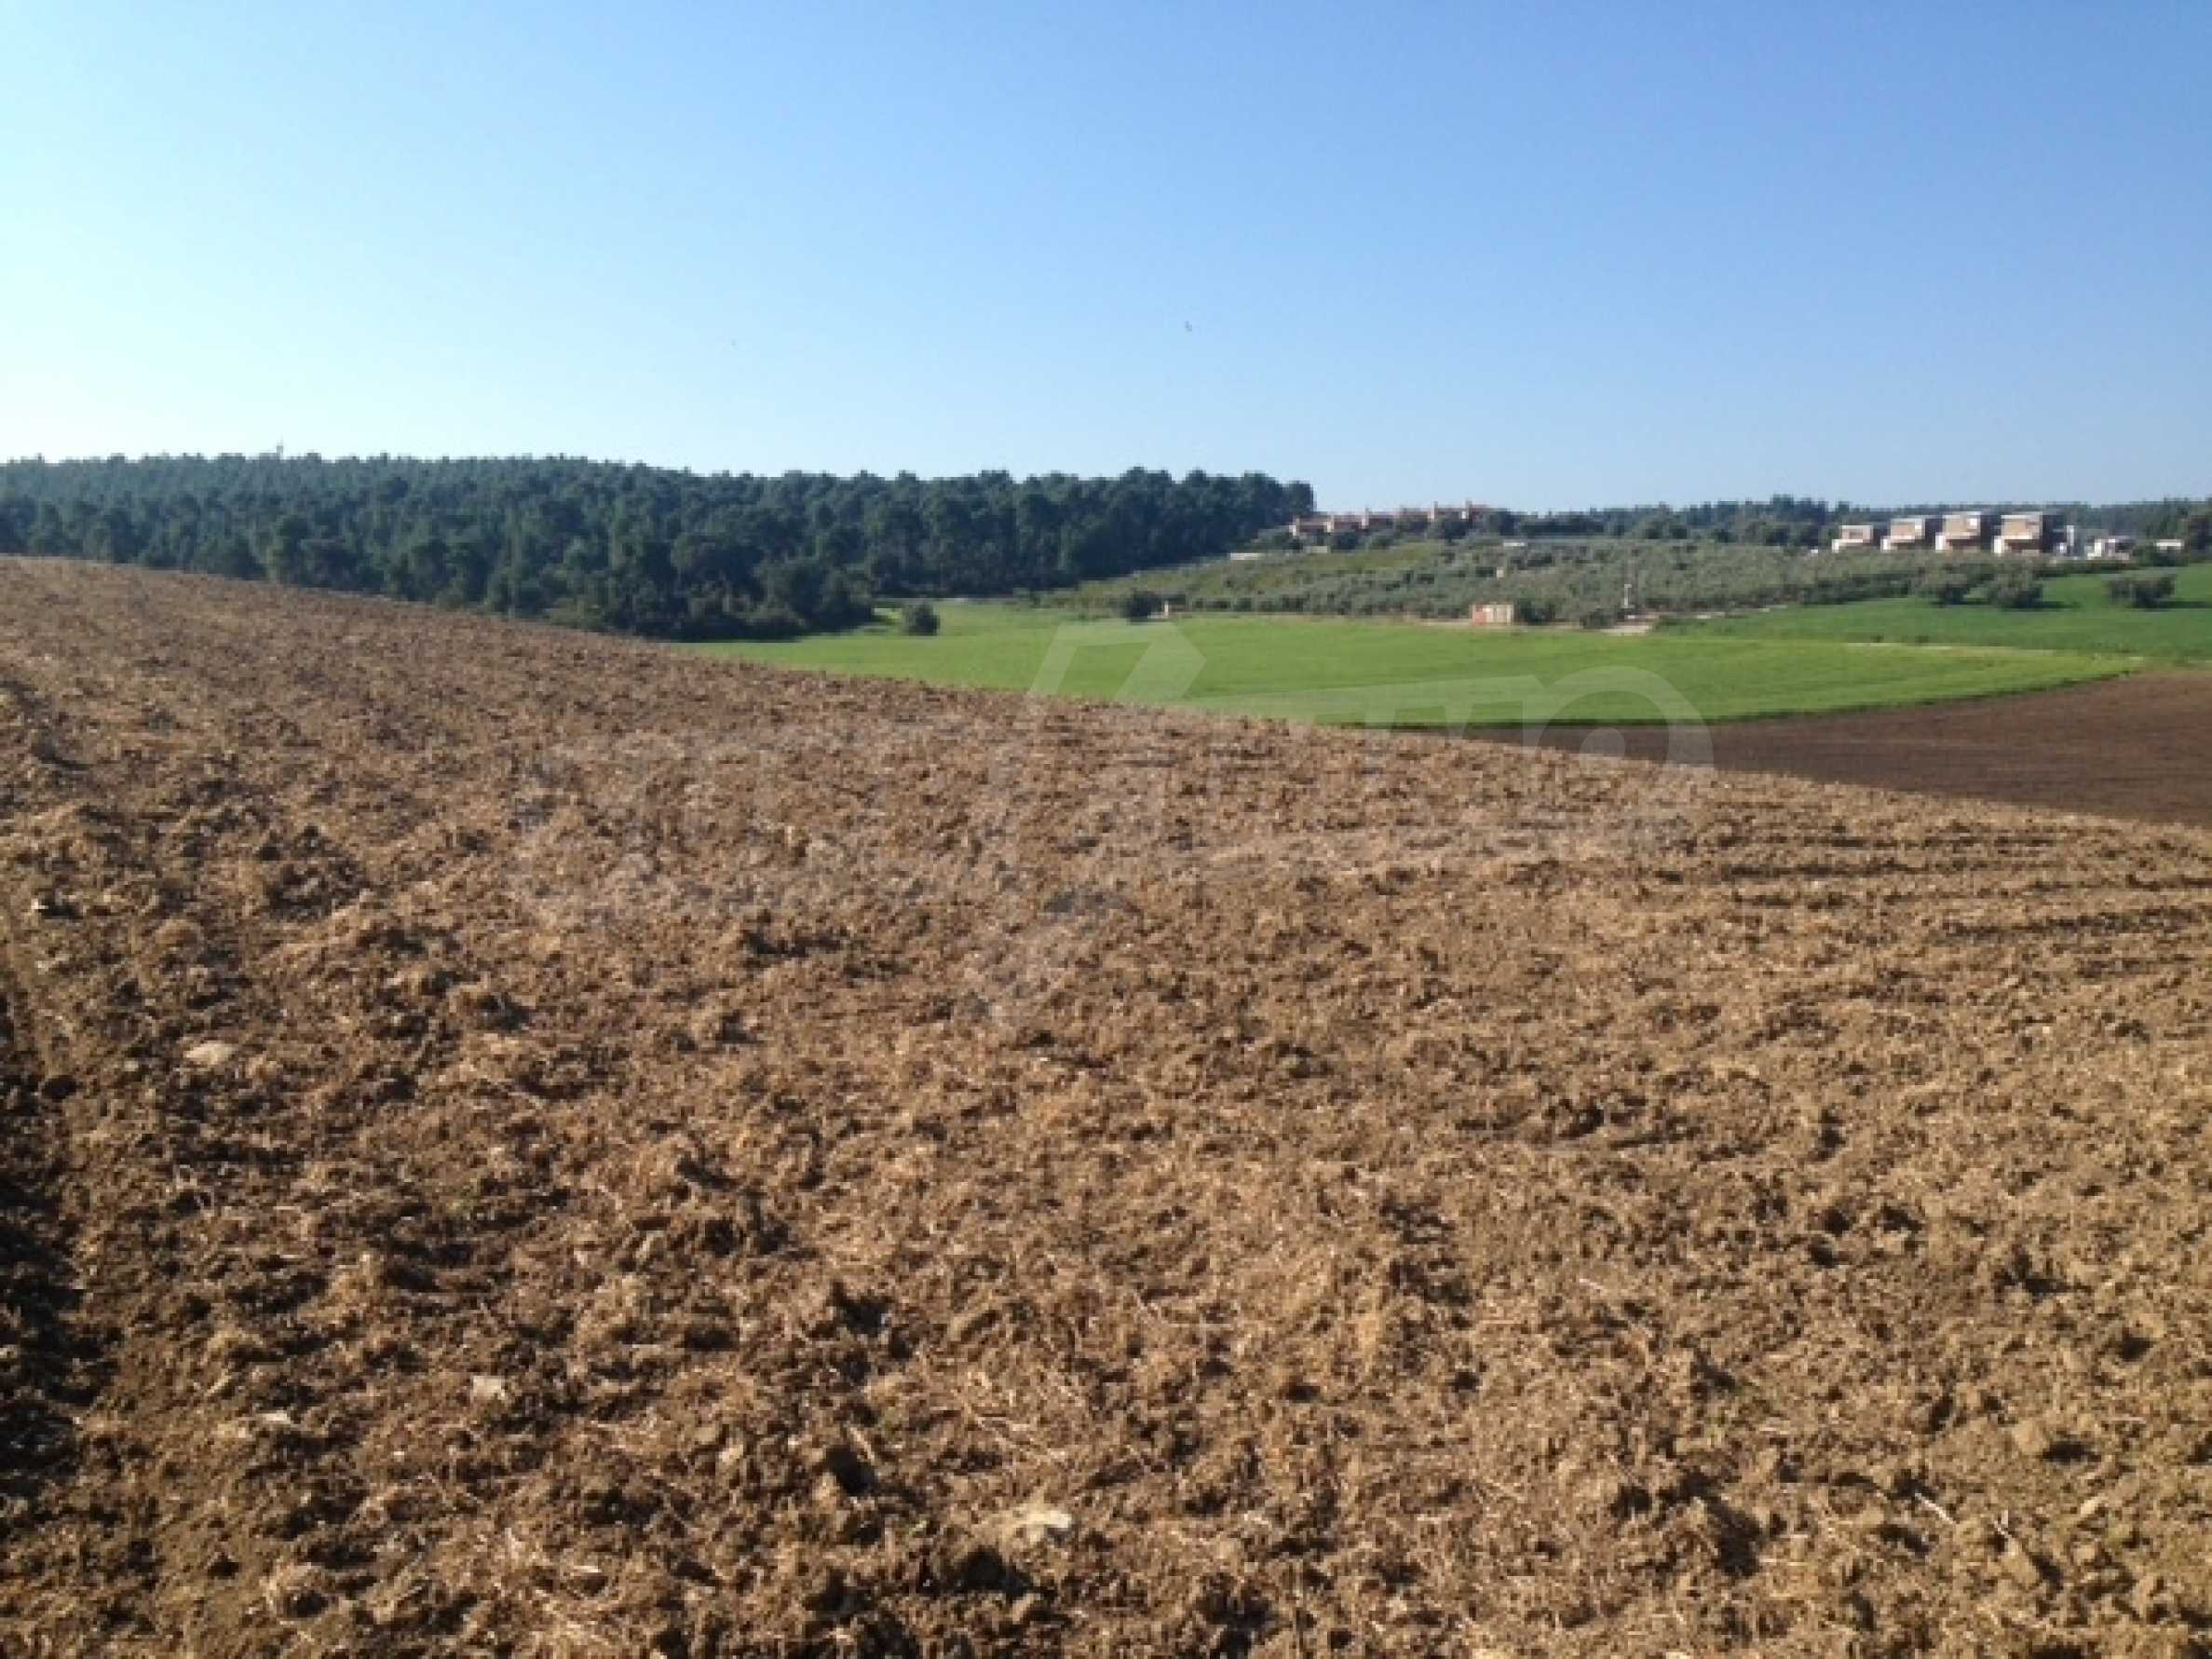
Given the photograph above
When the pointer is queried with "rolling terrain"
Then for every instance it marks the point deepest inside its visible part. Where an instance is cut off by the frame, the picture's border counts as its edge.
(527, 1142)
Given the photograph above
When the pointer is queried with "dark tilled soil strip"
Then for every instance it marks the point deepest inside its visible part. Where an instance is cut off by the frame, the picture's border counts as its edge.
(2138, 748)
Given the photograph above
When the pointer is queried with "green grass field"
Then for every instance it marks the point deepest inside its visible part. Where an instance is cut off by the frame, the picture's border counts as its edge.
(1413, 675)
(2076, 616)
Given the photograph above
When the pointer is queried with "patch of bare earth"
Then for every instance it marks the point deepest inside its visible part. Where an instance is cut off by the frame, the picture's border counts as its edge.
(2138, 747)
(528, 1143)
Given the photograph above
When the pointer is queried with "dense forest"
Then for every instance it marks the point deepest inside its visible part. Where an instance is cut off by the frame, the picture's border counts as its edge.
(640, 549)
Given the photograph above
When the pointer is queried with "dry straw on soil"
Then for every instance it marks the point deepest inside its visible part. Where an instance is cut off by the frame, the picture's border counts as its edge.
(705, 1161)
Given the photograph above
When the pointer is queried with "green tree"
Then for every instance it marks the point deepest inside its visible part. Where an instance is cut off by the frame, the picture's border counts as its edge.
(2013, 590)
(2196, 534)
(2144, 593)
(284, 555)
(1947, 586)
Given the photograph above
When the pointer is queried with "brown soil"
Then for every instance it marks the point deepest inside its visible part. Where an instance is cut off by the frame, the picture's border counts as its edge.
(524, 1143)
(2137, 748)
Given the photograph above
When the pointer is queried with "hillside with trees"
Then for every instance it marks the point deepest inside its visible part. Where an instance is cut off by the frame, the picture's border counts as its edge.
(642, 550)
(1594, 567)
(1781, 522)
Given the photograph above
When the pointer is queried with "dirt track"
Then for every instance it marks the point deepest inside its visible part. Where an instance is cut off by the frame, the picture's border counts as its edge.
(698, 1162)
(2137, 748)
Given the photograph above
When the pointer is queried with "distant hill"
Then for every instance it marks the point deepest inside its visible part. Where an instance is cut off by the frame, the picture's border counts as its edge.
(645, 550)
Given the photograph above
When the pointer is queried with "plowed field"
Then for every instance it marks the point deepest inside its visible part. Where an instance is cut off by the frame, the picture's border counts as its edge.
(525, 1143)
(2138, 747)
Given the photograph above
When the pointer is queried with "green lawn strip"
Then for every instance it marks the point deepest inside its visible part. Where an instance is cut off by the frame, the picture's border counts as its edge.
(2077, 615)
(1411, 675)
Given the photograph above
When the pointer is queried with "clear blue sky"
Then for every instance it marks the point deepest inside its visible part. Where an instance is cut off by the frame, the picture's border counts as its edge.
(1541, 254)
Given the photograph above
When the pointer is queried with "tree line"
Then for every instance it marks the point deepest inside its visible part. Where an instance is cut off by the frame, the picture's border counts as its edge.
(1804, 522)
(642, 550)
